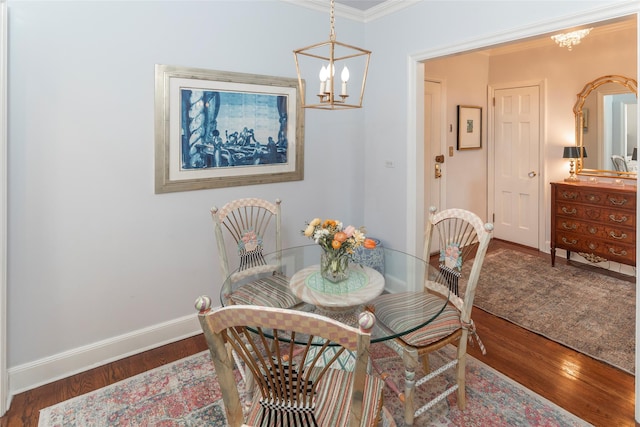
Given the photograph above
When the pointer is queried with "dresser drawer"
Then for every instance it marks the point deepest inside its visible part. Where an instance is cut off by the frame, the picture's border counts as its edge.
(622, 200)
(602, 214)
(612, 251)
(600, 230)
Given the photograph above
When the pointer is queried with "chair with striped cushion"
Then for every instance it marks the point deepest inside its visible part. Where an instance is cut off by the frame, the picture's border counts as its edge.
(290, 389)
(245, 230)
(462, 240)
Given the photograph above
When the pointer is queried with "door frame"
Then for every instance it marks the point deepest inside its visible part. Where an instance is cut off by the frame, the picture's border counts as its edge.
(5, 399)
(543, 244)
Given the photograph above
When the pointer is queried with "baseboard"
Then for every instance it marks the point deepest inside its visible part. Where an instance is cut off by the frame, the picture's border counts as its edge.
(34, 374)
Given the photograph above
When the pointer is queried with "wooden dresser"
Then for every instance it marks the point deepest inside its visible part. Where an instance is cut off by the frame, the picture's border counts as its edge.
(597, 220)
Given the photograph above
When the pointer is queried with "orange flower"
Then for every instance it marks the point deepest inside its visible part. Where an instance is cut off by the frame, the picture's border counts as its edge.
(335, 244)
(369, 244)
(329, 223)
(340, 236)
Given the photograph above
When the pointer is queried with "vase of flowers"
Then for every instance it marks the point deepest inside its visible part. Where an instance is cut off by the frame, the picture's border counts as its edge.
(338, 244)
(334, 266)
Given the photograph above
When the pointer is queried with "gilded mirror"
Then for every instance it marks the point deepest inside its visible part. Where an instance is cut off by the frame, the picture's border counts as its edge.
(606, 126)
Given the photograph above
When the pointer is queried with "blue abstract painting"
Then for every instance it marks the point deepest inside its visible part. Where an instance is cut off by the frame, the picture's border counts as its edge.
(229, 129)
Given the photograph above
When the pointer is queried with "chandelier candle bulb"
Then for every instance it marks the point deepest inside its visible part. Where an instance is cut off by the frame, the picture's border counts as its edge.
(323, 80)
(345, 79)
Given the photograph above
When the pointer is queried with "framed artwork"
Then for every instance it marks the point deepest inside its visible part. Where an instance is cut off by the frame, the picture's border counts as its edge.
(469, 127)
(218, 129)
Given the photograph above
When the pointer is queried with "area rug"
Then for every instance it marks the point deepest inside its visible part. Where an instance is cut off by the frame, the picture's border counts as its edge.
(585, 310)
(186, 393)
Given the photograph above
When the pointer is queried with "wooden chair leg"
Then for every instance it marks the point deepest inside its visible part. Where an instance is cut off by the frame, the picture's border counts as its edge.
(425, 364)
(461, 370)
(410, 360)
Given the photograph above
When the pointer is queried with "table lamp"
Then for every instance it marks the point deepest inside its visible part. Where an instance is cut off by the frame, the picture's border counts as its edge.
(572, 153)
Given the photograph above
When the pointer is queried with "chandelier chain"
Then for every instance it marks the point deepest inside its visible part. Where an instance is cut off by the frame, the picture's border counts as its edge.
(332, 15)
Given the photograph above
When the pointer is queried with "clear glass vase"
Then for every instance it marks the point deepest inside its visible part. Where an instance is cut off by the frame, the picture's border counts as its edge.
(334, 266)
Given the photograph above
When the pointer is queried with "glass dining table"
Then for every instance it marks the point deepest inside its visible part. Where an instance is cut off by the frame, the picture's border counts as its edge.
(372, 273)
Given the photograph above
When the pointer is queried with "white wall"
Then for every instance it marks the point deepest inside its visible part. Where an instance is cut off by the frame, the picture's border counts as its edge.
(103, 261)
(466, 78)
(100, 258)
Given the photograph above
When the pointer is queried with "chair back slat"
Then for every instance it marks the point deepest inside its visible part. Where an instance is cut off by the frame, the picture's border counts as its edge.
(275, 346)
(244, 230)
(463, 240)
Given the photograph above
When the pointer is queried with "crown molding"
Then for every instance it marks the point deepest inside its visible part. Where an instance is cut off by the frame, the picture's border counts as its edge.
(371, 14)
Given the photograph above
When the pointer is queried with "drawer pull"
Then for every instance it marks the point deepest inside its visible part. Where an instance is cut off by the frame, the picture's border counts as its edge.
(613, 218)
(593, 197)
(621, 253)
(570, 196)
(573, 211)
(572, 242)
(620, 237)
(570, 227)
(617, 202)
(593, 230)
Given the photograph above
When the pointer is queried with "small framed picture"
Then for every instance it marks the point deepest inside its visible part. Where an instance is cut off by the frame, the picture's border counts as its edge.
(469, 127)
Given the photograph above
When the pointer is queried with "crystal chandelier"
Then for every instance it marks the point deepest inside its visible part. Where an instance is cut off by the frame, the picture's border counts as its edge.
(571, 39)
(326, 57)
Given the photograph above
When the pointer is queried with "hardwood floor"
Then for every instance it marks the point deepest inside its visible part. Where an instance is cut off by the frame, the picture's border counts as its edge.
(592, 390)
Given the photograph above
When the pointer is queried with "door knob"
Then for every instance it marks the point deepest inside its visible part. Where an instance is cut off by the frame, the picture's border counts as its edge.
(438, 173)
(532, 174)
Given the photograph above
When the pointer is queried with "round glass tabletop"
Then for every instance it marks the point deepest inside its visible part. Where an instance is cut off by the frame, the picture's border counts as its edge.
(291, 279)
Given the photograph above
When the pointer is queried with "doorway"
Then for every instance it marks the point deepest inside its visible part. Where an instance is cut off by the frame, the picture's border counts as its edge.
(415, 113)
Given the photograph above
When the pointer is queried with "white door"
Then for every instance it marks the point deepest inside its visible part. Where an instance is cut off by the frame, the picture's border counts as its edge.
(433, 147)
(517, 171)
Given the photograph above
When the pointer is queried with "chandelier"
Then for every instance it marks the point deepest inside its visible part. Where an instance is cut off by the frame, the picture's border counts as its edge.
(325, 58)
(571, 39)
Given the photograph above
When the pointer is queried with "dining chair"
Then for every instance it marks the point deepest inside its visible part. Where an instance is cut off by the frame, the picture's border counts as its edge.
(619, 163)
(462, 241)
(244, 230)
(290, 387)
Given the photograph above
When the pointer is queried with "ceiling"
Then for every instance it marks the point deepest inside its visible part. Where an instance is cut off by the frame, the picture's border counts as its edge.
(361, 4)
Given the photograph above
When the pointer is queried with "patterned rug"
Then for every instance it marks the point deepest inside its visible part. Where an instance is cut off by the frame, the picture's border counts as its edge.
(186, 393)
(585, 310)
